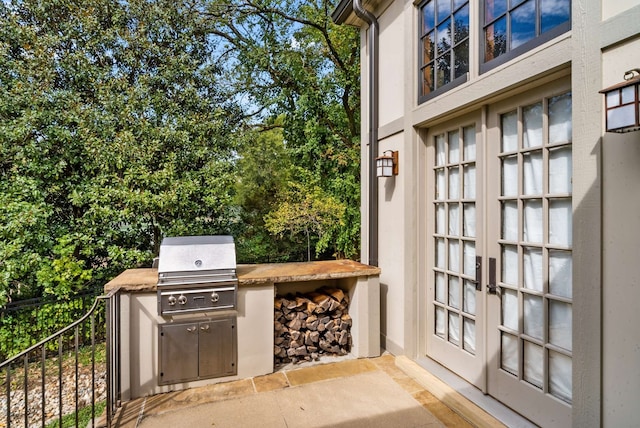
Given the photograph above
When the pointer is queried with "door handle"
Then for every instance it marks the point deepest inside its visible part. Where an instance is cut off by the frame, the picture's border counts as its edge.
(492, 288)
(478, 280)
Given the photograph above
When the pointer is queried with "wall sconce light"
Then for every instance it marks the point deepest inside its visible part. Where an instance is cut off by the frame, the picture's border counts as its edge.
(387, 164)
(622, 103)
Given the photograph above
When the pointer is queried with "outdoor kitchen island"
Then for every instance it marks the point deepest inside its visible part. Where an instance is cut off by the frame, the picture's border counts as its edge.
(257, 286)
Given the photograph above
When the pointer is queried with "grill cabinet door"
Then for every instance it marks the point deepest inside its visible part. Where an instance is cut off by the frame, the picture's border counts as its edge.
(218, 348)
(178, 352)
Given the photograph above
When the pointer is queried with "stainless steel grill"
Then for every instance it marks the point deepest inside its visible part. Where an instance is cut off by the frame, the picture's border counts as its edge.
(197, 274)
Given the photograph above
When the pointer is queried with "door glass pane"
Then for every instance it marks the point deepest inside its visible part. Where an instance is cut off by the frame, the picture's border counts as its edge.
(469, 333)
(510, 309)
(532, 173)
(510, 264)
(469, 250)
(560, 232)
(440, 219)
(469, 191)
(469, 135)
(454, 183)
(469, 220)
(533, 316)
(454, 256)
(533, 355)
(560, 170)
(469, 298)
(454, 292)
(510, 220)
(532, 227)
(532, 268)
(510, 131)
(510, 176)
(560, 324)
(532, 123)
(454, 147)
(440, 153)
(440, 287)
(560, 376)
(454, 328)
(509, 354)
(560, 273)
(439, 321)
(454, 218)
(440, 253)
(560, 117)
(440, 185)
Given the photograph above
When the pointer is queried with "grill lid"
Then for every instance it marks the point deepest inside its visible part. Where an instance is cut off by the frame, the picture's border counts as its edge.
(197, 254)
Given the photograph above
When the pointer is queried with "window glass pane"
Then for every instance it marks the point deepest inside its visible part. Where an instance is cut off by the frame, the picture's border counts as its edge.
(560, 222)
(532, 268)
(443, 37)
(554, 13)
(461, 25)
(454, 256)
(469, 334)
(560, 273)
(533, 320)
(495, 39)
(510, 264)
(560, 119)
(443, 73)
(560, 324)
(510, 309)
(444, 9)
(469, 185)
(427, 80)
(523, 24)
(510, 220)
(428, 49)
(454, 219)
(454, 328)
(461, 57)
(613, 98)
(509, 353)
(469, 136)
(440, 153)
(454, 183)
(440, 253)
(469, 250)
(510, 176)
(628, 94)
(440, 219)
(493, 9)
(469, 225)
(560, 376)
(458, 3)
(427, 17)
(469, 298)
(454, 292)
(440, 185)
(440, 317)
(510, 131)
(620, 117)
(440, 287)
(560, 167)
(532, 173)
(532, 222)
(533, 358)
(532, 125)
(454, 147)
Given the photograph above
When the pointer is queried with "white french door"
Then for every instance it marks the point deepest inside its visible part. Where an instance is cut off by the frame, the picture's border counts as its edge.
(499, 283)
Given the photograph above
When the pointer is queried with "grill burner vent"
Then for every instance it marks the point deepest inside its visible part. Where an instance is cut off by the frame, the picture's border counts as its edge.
(197, 274)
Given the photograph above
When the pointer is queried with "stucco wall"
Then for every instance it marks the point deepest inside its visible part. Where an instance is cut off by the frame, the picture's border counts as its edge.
(391, 66)
(621, 270)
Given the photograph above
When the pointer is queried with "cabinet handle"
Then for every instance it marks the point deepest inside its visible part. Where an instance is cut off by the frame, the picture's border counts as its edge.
(204, 327)
(191, 329)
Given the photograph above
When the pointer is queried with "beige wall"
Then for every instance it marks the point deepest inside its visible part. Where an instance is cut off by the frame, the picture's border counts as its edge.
(392, 66)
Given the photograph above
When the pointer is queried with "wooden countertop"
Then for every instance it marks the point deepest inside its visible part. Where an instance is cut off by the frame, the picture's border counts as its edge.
(146, 279)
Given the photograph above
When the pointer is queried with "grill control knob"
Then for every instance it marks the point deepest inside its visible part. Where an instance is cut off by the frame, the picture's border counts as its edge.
(182, 299)
(171, 300)
(215, 297)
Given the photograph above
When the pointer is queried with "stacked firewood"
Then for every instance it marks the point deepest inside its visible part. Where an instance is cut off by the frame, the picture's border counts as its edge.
(308, 325)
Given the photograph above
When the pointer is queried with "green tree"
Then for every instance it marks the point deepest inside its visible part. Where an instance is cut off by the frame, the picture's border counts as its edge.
(115, 130)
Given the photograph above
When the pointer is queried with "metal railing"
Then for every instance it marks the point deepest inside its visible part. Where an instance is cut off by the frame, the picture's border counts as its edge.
(35, 403)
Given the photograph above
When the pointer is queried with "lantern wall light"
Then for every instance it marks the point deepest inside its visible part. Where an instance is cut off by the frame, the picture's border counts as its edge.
(622, 103)
(387, 164)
